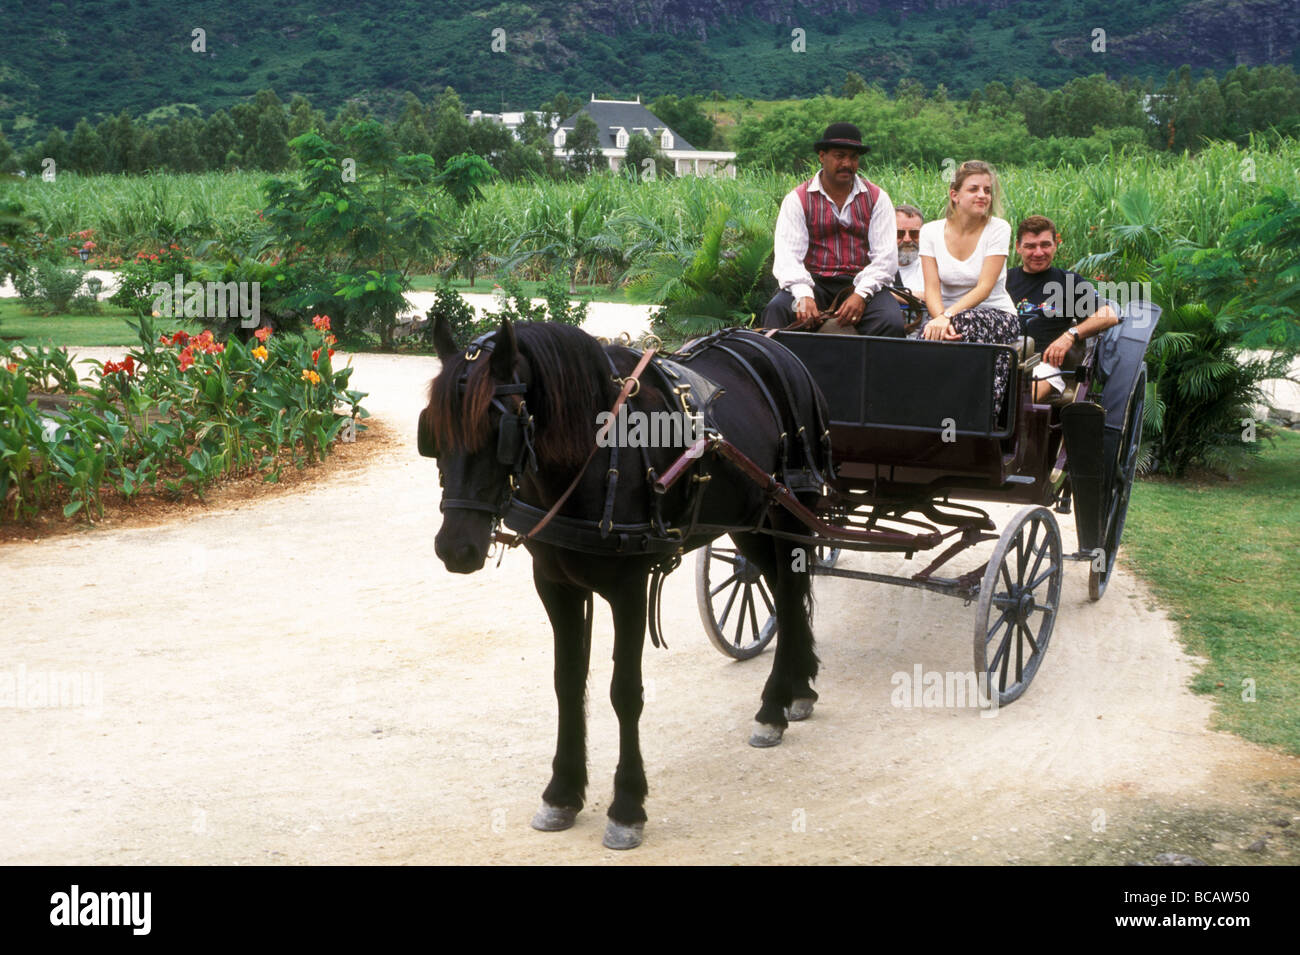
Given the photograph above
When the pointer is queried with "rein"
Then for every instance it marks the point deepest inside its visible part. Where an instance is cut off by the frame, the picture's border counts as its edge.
(631, 385)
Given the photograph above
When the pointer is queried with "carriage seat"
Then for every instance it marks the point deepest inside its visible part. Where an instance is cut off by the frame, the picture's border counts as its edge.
(1073, 359)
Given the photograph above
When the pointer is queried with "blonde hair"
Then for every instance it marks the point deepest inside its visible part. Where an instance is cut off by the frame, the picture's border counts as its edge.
(976, 167)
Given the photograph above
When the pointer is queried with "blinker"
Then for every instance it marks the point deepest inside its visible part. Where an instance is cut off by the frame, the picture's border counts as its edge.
(424, 436)
(510, 439)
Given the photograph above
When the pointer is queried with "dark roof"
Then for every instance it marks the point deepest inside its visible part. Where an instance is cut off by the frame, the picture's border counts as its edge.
(609, 115)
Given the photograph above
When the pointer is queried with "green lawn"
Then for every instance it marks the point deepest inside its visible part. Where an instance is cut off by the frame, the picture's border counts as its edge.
(483, 286)
(19, 326)
(1224, 558)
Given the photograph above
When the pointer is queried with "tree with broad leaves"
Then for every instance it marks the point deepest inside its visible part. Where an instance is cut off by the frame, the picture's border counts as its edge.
(371, 228)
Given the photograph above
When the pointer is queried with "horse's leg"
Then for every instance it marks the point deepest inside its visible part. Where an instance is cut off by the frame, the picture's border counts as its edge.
(788, 693)
(627, 811)
(566, 605)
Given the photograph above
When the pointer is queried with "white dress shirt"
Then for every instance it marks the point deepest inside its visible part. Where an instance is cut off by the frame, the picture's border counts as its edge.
(790, 242)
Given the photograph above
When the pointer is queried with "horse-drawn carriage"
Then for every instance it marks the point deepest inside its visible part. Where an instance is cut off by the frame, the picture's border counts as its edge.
(915, 429)
(810, 445)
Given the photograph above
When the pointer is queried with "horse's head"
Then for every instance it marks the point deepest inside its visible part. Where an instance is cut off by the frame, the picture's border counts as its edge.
(478, 425)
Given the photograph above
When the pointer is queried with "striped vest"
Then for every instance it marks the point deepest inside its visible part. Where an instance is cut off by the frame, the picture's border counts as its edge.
(834, 248)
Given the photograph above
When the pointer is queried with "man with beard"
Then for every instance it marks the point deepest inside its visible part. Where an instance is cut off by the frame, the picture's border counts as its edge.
(909, 274)
(834, 248)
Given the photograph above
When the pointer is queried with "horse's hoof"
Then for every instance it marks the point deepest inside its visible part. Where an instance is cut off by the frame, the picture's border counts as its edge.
(765, 735)
(799, 710)
(554, 818)
(619, 836)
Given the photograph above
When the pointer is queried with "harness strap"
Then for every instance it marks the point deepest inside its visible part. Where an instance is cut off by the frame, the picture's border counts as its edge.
(630, 384)
(801, 432)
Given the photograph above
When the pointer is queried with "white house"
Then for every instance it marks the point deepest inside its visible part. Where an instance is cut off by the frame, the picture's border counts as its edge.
(619, 120)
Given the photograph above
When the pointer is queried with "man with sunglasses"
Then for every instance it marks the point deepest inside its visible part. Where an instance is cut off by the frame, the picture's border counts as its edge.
(909, 275)
(834, 248)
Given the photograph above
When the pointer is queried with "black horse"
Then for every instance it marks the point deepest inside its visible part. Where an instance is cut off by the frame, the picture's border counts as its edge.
(513, 421)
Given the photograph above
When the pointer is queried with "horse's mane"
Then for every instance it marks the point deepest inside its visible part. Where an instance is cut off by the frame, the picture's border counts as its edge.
(569, 385)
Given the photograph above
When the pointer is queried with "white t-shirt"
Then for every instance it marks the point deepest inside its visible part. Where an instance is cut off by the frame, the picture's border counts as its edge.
(912, 278)
(957, 277)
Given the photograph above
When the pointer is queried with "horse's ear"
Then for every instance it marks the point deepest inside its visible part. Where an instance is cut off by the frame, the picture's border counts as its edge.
(505, 352)
(443, 342)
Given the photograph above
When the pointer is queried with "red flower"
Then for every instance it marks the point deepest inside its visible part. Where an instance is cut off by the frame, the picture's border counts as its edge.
(263, 333)
(187, 358)
(321, 323)
(127, 365)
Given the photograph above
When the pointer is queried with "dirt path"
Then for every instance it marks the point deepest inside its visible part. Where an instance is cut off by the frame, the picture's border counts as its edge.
(296, 679)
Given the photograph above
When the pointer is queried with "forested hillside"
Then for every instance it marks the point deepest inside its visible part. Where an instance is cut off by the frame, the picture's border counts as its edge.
(61, 61)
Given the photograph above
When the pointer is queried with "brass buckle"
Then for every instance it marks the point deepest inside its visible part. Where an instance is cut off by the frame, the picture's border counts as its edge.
(472, 353)
(683, 391)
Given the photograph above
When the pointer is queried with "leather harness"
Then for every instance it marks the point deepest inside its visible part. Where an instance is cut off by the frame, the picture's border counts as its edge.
(694, 395)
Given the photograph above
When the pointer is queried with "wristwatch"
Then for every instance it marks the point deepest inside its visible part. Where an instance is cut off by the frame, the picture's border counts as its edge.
(1074, 334)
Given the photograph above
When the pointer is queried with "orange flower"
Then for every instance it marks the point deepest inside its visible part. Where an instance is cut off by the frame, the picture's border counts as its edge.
(260, 353)
(321, 323)
(311, 376)
(11, 366)
(262, 334)
(187, 357)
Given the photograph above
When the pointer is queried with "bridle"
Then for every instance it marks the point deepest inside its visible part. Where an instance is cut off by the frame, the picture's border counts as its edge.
(515, 445)
(515, 437)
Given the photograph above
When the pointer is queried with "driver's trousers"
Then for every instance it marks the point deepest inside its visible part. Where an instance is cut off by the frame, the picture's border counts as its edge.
(882, 315)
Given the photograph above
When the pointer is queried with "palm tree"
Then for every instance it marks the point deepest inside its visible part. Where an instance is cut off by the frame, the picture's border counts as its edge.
(725, 280)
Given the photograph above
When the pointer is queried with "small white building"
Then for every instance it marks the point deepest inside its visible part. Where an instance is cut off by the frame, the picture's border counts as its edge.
(619, 120)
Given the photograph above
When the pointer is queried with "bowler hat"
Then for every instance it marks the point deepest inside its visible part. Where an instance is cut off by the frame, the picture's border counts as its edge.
(841, 136)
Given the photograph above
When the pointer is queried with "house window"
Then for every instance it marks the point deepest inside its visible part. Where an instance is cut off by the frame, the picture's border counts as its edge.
(666, 139)
(620, 138)
(559, 139)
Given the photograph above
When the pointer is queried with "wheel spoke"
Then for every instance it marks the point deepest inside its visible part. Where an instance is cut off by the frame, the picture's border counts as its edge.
(1030, 637)
(753, 617)
(1029, 549)
(1000, 621)
(1038, 559)
(726, 556)
(767, 600)
(718, 589)
(1006, 577)
(726, 611)
(1001, 653)
(1033, 584)
(1020, 651)
(740, 618)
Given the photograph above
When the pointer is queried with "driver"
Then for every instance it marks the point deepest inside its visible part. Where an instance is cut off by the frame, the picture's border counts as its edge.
(835, 245)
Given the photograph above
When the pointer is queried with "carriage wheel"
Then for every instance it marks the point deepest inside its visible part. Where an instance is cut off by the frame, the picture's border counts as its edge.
(736, 606)
(1019, 598)
(1125, 470)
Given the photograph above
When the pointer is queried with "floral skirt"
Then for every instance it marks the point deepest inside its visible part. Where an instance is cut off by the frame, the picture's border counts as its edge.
(990, 326)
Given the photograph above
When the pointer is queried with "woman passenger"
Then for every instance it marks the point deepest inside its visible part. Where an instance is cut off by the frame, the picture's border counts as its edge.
(964, 262)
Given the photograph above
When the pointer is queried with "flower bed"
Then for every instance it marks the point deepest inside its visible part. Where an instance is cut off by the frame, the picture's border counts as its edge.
(174, 415)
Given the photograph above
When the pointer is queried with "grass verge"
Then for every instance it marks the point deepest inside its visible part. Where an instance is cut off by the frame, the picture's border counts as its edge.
(18, 326)
(1224, 558)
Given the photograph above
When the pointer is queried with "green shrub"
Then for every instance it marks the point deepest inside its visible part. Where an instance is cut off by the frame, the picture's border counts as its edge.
(174, 415)
(54, 290)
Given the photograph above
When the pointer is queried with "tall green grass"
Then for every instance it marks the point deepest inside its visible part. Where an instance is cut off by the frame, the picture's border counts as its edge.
(1195, 198)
